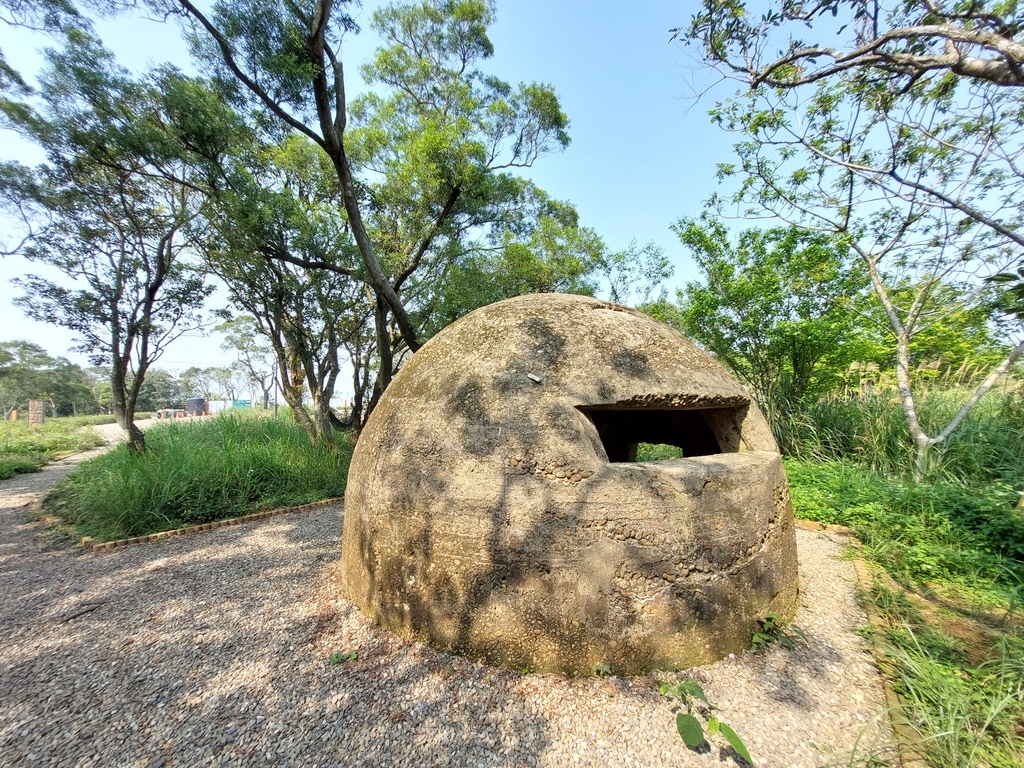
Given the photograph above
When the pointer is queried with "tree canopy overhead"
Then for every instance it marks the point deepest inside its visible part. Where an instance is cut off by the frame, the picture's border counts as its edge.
(793, 43)
(906, 144)
(424, 167)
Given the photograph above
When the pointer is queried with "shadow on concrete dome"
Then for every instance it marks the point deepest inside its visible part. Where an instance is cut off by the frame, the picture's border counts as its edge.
(495, 508)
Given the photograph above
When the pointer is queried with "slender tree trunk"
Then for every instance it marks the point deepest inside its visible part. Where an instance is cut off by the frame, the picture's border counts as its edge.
(124, 411)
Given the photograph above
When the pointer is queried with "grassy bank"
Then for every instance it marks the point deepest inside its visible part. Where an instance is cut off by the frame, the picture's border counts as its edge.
(25, 448)
(950, 591)
(197, 472)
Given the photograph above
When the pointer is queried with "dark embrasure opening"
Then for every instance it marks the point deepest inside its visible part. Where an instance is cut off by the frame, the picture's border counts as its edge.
(692, 430)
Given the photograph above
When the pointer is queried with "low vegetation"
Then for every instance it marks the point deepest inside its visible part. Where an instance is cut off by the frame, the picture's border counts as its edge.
(949, 553)
(198, 472)
(25, 448)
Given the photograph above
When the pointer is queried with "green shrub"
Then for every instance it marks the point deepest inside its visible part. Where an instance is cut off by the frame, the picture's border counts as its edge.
(197, 472)
(17, 465)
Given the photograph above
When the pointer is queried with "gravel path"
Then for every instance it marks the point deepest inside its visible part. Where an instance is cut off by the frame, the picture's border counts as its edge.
(213, 649)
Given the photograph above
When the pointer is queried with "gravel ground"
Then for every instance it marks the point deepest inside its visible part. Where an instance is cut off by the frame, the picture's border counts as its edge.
(213, 649)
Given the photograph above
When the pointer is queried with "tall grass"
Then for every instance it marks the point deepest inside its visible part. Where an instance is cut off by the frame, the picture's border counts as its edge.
(967, 715)
(871, 431)
(198, 472)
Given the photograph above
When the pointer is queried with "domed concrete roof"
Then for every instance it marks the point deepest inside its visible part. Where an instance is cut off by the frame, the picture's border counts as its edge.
(495, 508)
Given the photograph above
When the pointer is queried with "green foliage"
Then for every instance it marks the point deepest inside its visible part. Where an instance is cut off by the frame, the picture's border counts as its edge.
(917, 531)
(27, 372)
(871, 430)
(340, 657)
(774, 308)
(913, 165)
(200, 472)
(965, 546)
(697, 707)
(11, 466)
(108, 209)
(967, 714)
(771, 630)
(25, 448)
(657, 452)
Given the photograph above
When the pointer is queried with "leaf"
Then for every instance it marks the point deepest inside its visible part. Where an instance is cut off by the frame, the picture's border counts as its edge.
(735, 742)
(713, 725)
(694, 689)
(690, 731)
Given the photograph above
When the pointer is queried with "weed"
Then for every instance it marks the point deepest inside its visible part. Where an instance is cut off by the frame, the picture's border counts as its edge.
(772, 629)
(697, 706)
(340, 657)
(26, 448)
(603, 670)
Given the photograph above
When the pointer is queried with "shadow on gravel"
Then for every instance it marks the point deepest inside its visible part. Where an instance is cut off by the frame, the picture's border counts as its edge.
(218, 646)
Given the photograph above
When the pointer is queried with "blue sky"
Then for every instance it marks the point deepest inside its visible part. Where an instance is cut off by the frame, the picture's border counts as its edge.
(643, 150)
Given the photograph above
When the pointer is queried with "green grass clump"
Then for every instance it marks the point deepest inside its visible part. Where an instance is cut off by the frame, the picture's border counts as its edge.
(25, 447)
(988, 447)
(968, 714)
(18, 465)
(198, 472)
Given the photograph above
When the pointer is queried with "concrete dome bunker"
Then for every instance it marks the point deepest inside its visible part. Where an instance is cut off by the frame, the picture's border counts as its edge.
(495, 508)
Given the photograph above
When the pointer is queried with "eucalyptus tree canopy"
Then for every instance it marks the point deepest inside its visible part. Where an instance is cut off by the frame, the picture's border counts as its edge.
(421, 160)
(899, 40)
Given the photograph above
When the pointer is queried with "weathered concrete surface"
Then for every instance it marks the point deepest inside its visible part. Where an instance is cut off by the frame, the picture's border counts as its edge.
(484, 515)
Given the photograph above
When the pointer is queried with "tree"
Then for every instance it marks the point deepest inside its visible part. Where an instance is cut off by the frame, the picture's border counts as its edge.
(115, 215)
(432, 183)
(27, 372)
(20, 377)
(434, 144)
(903, 41)
(197, 382)
(254, 355)
(271, 211)
(160, 389)
(906, 145)
(778, 309)
(226, 381)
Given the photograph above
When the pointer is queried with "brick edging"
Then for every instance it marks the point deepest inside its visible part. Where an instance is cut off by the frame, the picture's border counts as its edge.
(905, 735)
(104, 546)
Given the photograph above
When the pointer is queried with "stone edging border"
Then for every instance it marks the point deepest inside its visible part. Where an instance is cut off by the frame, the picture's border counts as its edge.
(104, 546)
(904, 733)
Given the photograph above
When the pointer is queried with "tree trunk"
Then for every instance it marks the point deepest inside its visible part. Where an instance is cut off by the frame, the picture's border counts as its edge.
(124, 412)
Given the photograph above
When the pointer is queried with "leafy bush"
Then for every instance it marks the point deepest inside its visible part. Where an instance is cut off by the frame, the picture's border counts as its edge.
(197, 472)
